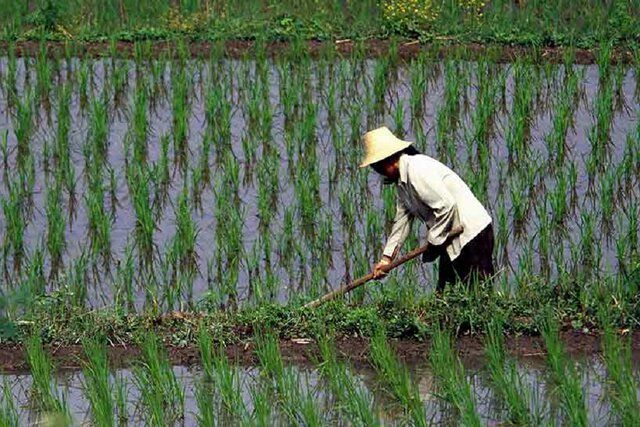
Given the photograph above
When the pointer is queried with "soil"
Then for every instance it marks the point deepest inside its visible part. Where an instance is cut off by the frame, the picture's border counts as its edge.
(305, 352)
(372, 48)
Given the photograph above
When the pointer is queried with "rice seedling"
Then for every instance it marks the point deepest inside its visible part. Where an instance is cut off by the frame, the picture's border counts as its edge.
(14, 223)
(98, 218)
(519, 129)
(622, 384)
(124, 296)
(139, 125)
(184, 241)
(223, 376)
(45, 395)
(138, 178)
(450, 372)
(262, 407)
(396, 377)
(569, 387)
(504, 375)
(23, 126)
(299, 407)
(160, 392)
(180, 105)
(352, 398)
(56, 226)
(9, 416)
(96, 382)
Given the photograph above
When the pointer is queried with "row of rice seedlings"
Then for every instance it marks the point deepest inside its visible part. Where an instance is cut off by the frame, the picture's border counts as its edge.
(56, 225)
(45, 395)
(563, 372)
(138, 177)
(352, 398)
(23, 126)
(138, 133)
(229, 215)
(517, 136)
(599, 134)
(180, 87)
(451, 375)
(161, 393)
(298, 406)
(396, 377)
(15, 224)
(563, 117)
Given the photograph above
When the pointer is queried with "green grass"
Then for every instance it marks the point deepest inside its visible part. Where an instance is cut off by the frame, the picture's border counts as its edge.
(539, 23)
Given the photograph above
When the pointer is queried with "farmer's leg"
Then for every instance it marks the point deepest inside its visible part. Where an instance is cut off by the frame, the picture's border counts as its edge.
(446, 274)
(475, 262)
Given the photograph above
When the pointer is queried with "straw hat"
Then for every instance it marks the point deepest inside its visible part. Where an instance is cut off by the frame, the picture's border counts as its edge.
(381, 143)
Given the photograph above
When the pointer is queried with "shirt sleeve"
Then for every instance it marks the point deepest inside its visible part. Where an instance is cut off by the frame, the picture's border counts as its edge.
(399, 230)
(434, 194)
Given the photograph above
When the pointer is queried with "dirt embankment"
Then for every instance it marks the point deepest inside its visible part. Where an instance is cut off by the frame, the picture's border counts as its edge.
(305, 352)
(371, 48)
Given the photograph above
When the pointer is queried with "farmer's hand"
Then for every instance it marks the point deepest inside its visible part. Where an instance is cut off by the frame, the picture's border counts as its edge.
(379, 268)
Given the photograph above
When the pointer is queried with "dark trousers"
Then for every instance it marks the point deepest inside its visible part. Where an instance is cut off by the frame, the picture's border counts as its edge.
(475, 262)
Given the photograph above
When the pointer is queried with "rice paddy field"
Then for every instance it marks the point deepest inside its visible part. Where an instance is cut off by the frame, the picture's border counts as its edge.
(169, 200)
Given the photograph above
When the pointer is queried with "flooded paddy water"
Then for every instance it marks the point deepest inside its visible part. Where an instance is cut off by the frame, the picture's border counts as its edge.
(172, 182)
(254, 382)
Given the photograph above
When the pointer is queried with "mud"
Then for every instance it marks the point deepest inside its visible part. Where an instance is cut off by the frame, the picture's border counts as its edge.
(305, 352)
(239, 49)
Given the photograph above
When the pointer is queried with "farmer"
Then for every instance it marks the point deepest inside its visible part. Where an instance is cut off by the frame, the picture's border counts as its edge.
(431, 191)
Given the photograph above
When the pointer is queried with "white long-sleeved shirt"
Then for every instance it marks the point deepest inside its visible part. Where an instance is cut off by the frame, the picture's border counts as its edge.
(431, 191)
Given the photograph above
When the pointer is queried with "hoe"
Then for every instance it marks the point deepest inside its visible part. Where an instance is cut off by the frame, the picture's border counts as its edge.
(364, 279)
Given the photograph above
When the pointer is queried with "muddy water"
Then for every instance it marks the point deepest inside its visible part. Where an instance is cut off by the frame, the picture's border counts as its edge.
(544, 400)
(511, 251)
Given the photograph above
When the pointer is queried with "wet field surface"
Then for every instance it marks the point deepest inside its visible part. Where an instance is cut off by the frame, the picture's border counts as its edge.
(170, 183)
(530, 363)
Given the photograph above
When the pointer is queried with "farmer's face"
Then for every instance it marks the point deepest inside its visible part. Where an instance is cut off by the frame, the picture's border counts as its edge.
(389, 168)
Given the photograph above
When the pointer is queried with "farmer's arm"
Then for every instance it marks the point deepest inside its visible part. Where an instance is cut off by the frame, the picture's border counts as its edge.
(397, 236)
(399, 231)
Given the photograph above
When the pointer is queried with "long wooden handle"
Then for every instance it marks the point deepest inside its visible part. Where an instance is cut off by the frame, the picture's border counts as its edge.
(364, 279)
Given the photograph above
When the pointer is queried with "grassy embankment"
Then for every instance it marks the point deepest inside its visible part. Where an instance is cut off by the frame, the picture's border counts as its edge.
(583, 23)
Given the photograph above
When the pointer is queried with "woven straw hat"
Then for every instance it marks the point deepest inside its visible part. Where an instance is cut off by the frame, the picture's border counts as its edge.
(379, 144)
